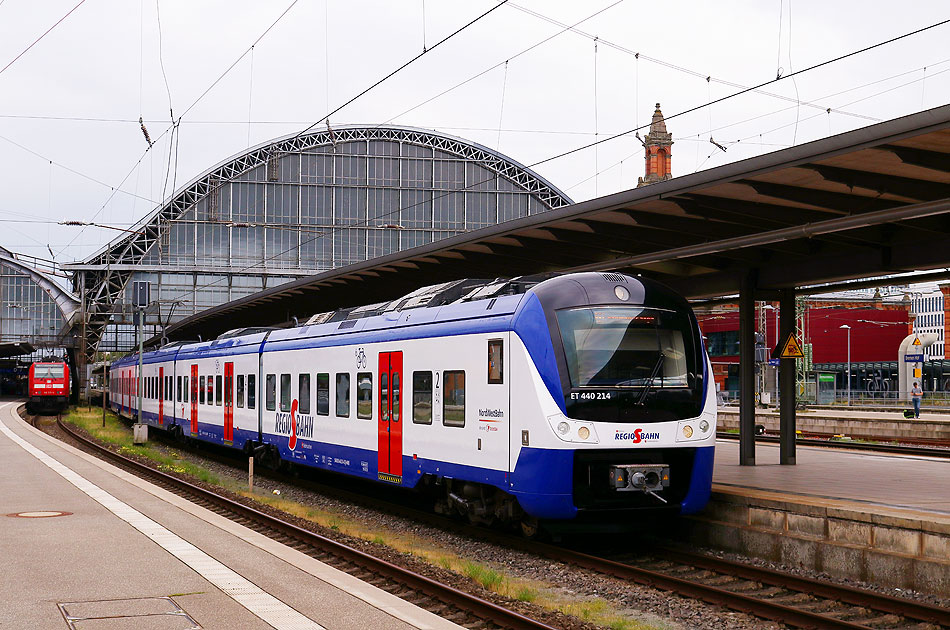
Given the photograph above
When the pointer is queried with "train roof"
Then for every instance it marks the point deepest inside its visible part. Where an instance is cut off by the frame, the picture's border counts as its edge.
(456, 306)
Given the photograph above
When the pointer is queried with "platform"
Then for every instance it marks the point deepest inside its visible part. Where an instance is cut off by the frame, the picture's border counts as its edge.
(853, 422)
(883, 519)
(88, 546)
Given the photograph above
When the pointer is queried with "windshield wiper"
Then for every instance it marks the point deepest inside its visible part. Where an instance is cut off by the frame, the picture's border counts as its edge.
(649, 385)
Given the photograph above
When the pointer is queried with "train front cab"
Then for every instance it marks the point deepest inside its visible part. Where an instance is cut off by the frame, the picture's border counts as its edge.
(48, 387)
(620, 379)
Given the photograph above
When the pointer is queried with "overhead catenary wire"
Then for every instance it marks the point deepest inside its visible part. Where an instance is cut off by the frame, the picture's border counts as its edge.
(751, 89)
(260, 263)
(334, 230)
(638, 55)
(402, 67)
(38, 39)
(188, 109)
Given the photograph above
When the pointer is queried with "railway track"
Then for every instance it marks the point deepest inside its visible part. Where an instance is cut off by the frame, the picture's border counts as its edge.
(446, 601)
(766, 593)
(935, 448)
(770, 594)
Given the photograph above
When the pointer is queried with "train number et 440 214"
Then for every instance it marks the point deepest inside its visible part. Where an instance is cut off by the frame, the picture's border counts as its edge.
(590, 395)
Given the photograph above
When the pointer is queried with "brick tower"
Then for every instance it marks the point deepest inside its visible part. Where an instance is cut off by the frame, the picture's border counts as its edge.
(657, 151)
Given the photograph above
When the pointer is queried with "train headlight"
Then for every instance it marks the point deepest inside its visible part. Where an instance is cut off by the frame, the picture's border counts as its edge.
(621, 293)
(703, 426)
(563, 427)
(583, 433)
(687, 431)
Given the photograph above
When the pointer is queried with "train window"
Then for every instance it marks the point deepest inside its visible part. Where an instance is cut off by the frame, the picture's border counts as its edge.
(323, 394)
(384, 394)
(218, 390)
(364, 395)
(303, 393)
(201, 389)
(178, 388)
(251, 390)
(396, 388)
(422, 397)
(453, 398)
(285, 394)
(343, 394)
(271, 393)
(169, 388)
(240, 390)
(184, 389)
(496, 372)
(210, 390)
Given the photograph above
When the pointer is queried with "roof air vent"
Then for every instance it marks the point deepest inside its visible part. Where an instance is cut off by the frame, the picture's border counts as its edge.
(347, 324)
(614, 277)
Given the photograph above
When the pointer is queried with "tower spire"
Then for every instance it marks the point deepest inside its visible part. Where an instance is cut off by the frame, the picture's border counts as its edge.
(657, 151)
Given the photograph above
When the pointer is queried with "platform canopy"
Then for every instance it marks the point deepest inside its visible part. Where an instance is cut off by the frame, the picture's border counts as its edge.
(865, 203)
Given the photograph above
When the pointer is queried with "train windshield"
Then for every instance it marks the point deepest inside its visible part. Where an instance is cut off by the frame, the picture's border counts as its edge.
(53, 370)
(621, 346)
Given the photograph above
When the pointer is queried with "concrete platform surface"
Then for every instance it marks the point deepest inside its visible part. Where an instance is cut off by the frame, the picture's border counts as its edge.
(905, 482)
(127, 554)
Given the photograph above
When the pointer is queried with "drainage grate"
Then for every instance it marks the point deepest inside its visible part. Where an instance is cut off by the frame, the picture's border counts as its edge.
(145, 613)
(39, 514)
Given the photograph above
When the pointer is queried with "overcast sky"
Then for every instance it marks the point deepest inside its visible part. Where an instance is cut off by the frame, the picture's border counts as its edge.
(69, 107)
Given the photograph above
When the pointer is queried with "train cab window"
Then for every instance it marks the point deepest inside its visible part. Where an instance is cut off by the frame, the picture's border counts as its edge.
(178, 388)
(201, 389)
(364, 395)
(453, 398)
(285, 394)
(323, 394)
(219, 390)
(240, 391)
(496, 372)
(343, 394)
(422, 397)
(271, 393)
(251, 390)
(303, 393)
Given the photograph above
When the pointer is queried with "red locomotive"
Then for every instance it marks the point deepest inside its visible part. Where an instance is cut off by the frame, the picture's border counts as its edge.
(49, 387)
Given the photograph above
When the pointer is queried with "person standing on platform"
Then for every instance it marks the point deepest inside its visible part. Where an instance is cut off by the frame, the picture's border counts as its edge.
(916, 394)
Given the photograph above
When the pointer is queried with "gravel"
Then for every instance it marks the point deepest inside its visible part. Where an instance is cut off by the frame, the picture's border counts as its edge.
(649, 606)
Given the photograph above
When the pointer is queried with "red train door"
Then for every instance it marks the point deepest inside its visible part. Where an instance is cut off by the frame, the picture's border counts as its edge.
(229, 402)
(161, 396)
(194, 400)
(390, 416)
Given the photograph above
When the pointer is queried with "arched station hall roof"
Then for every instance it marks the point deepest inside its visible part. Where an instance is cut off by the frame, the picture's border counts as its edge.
(30, 295)
(103, 277)
(865, 203)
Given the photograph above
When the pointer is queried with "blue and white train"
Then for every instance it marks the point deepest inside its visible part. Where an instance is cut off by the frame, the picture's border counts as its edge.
(582, 397)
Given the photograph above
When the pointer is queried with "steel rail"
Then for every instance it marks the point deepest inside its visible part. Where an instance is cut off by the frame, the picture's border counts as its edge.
(848, 594)
(466, 602)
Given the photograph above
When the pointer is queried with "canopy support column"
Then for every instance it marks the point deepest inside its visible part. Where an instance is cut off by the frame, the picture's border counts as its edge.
(787, 380)
(747, 371)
